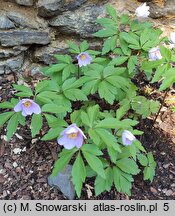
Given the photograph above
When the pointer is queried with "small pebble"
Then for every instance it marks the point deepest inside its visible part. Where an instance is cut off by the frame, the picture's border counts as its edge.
(15, 164)
(169, 192)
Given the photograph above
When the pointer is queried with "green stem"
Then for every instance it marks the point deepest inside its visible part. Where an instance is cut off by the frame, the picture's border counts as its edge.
(160, 107)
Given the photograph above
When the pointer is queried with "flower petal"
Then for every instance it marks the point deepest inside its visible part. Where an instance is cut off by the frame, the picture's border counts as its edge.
(18, 107)
(79, 140)
(66, 142)
(35, 108)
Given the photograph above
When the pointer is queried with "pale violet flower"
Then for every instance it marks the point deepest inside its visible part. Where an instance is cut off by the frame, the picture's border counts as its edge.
(84, 59)
(28, 107)
(71, 137)
(127, 138)
(172, 37)
(142, 11)
(154, 54)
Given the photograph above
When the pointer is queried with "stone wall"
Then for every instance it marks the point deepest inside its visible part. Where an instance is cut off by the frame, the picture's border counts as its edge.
(32, 31)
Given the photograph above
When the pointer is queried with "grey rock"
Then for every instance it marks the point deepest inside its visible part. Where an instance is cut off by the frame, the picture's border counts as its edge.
(25, 2)
(10, 52)
(63, 182)
(23, 37)
(5, 23)
(45, 54)
(12, 64)
(21, 21)
(157, 11)
(81, 22)
(49, 8)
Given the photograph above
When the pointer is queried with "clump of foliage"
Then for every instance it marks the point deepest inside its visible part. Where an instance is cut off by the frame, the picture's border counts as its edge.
(102, 100)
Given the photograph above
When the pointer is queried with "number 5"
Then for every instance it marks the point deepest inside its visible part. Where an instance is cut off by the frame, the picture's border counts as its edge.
(166, 206)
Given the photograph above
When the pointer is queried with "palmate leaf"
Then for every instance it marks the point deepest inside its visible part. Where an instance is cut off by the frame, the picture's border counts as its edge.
(52, 133)
(112, 12)
(122, 181)
(128, 165)
(84, 46)
(94, 136)
(12, 126)
(54, 121)
(26, 91)
(95, 163)
(53, 108)
(4, 117)
(109, 44)
(78, 174)
(36, 124)
(64, 158)
(92, 149)
(142, 159)
(108, 138)
(108, 123)
(75, 94)
(6, 105)
(105, 91)
(101, 184)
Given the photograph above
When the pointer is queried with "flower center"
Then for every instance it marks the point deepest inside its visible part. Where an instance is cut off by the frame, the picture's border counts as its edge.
(83, 57)
(72, 135)
(27, 104)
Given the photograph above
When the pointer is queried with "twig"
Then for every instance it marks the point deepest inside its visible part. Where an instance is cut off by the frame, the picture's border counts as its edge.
(160, 107)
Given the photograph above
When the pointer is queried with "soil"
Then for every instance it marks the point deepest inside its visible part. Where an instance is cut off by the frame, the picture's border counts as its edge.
(24, 175)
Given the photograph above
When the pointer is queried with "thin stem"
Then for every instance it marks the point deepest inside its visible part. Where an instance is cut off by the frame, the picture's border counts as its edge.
(160, 107)
(78, 72)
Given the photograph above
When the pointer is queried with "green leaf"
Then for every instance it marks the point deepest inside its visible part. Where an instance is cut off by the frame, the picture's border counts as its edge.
(84, 46)
(6, 105)
(166, 53)
(108, 123)
(149, 173)
(12, 126)
(128, 165)
(92, 112)
(108, 138)
(64, 158)
(159, 72)
(92, 149)
(55, 68)
(122, 181)
(4, 117)
(53, 108)
(131, 40)
(64, 58)
(36, 124)
(124, 19)
(54, 121)
(109, 44)
(104, 184)
(132, 62)
(142, 159)
(52, 133)
(146, 65)
(78, 174)
(94, 136)
(41, 85)
(75, 94)
(95, 163)
(112, 153)
(24, 89)
(112, 12)
(169, 79)
(105, 33)
(73, 48)
(119, 60)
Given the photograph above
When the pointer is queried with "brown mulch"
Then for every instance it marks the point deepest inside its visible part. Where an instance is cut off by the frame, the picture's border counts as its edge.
(24, 175)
